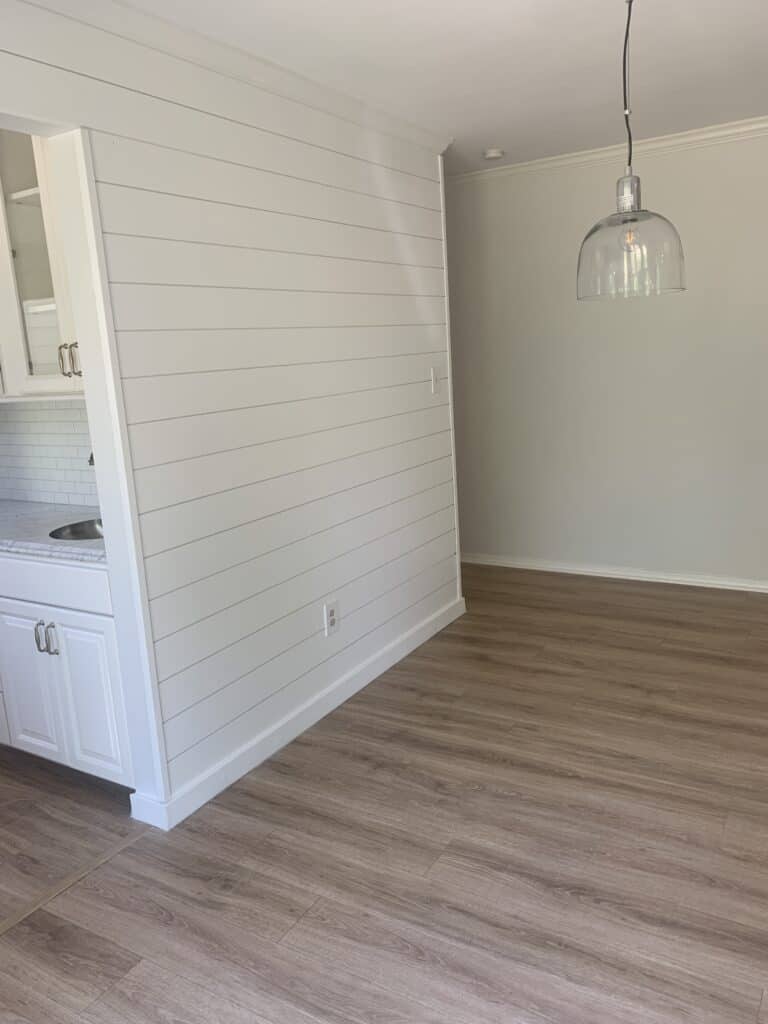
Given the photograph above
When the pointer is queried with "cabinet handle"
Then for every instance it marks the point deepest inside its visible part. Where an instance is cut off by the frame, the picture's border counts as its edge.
(65, 372)
(39, 643)
(50, 639)
(75, 362)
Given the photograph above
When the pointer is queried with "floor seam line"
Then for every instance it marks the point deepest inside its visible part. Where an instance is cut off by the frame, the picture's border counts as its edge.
(298, 920)
(67, 883)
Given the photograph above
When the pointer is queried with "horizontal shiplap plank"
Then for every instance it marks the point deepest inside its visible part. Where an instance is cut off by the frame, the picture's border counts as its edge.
(136, 211)
(130, 162)
(285, 661)
(131, 259)
(169, 528)
(162, 441)
(163, 486)
(192, 726)
(301, 601)
(170, 570)
(44, 36)
(219, 633)
(183, 483)
(181, 693)
(150, 353)
(141, 307)
(167, 396)
(312, 681)
(69, 97)
(199, 50)
(181, 609)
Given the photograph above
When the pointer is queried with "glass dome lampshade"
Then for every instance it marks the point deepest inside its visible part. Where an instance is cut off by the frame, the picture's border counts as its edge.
(633, 253)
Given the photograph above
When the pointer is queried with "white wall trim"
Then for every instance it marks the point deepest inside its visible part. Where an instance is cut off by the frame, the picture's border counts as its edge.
(619, 572)
(203, 788)
(449, 371)
(714, 135)
(159, 34)
(117, 498)
(150, 811)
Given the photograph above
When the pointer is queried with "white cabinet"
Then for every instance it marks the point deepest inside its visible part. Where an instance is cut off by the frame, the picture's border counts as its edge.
(31, 696)
(38, 349)
(91, 694)
(62, 689)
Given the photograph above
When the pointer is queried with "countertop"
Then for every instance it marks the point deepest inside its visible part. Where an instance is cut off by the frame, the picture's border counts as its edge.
(25, 525)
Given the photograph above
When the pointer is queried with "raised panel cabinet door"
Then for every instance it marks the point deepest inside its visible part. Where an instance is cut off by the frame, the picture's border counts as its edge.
(92, 698)
(30, 694)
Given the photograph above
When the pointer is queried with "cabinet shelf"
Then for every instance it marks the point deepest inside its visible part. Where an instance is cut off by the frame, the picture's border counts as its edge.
(25, 196)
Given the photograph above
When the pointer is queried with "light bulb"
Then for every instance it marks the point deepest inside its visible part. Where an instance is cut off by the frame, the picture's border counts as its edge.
(629, 238)
(616, 260)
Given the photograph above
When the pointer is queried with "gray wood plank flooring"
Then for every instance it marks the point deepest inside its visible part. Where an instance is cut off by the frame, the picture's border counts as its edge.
(554, 812)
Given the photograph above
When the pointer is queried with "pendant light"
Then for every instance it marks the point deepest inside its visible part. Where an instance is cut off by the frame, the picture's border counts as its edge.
(633, 252)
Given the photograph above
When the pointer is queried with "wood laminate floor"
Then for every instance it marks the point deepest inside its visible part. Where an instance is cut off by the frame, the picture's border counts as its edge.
(55, 825)
(554, 811)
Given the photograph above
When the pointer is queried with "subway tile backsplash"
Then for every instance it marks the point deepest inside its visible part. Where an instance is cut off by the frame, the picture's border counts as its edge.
(44, 449)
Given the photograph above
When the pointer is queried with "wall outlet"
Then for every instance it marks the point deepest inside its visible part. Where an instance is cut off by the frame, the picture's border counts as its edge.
(434, 377)
(331, 617)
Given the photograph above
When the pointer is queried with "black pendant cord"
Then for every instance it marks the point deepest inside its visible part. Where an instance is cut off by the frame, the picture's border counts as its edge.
(625, 79)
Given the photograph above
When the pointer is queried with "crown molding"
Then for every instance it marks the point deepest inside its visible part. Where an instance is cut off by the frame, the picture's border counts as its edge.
(119, 18)
(714, 135)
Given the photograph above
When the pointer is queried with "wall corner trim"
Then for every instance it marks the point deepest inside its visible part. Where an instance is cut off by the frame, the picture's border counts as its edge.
(713, 135)
(619, 572)
(205, 786)
(150, 810)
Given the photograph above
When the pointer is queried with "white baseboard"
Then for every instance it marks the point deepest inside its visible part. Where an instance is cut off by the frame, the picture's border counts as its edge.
(620, 572)
(203, 788)
(150, 811)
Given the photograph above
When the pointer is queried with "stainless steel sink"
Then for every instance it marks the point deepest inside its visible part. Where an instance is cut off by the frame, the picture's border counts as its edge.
(88, 529)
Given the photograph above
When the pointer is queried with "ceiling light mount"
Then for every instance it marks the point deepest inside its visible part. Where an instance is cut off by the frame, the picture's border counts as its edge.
(633, 252)
(628, 193)
(493, 153)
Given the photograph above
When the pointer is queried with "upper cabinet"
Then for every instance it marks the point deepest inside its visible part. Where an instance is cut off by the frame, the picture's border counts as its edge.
(38, 348)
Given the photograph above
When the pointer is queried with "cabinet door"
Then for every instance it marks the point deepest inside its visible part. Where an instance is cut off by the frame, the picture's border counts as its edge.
(92, 700)
(45, 335)
(41, 343)
(32, 701)
(12, 338)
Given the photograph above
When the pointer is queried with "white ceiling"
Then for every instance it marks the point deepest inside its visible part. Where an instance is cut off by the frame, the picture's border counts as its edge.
(536, 77)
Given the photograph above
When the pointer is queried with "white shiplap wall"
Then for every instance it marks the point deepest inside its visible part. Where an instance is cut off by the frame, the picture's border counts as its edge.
(277, 289)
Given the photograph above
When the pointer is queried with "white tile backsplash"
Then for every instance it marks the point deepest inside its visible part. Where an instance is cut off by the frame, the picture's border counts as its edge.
(44, 449)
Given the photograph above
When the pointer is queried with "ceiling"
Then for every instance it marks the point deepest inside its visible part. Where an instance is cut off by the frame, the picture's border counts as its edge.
(535, 77)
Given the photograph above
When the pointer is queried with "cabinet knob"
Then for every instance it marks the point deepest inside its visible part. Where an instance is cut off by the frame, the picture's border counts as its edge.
(50, 639)
(40, 644)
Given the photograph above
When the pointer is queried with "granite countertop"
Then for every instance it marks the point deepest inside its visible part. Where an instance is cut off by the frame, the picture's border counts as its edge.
(25, 525)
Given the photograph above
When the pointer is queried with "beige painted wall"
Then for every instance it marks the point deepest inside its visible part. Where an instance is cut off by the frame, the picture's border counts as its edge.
(630, 437)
